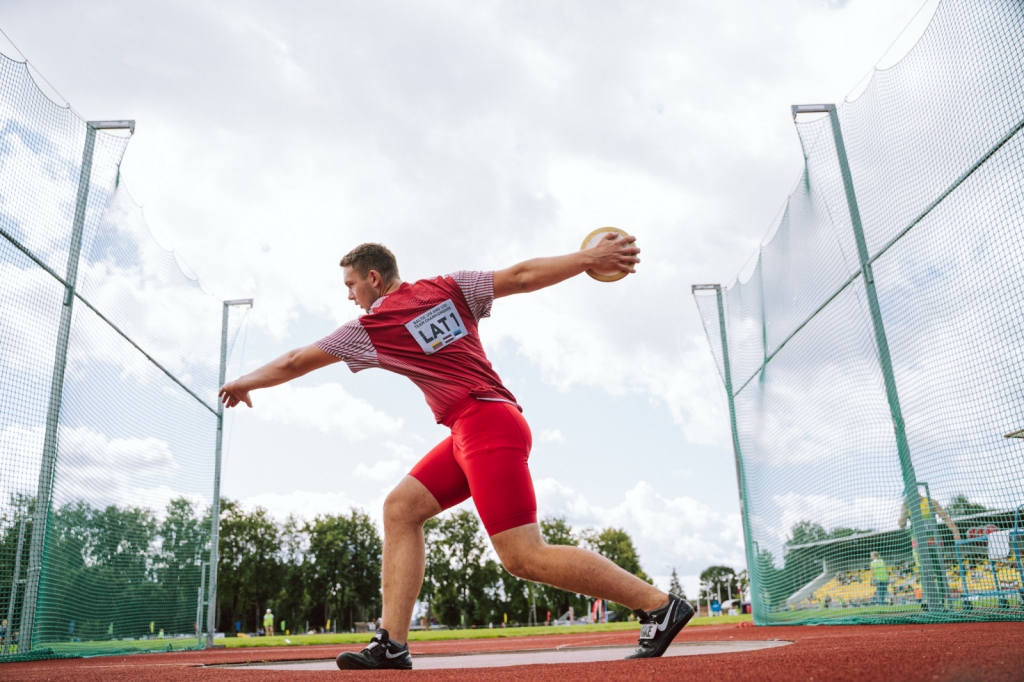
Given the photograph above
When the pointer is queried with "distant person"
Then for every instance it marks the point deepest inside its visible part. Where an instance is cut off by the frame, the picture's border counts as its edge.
(268, 623)
(928, 508)
(428, 331)
(880, 577)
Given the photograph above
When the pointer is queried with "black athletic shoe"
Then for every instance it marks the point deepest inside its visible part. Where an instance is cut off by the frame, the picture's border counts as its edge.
(659, 627)
(380, 654)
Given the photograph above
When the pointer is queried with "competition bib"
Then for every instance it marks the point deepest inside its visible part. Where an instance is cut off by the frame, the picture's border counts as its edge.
(438, 327)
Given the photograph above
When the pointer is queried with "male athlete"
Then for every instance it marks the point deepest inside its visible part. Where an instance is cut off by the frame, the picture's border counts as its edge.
(427, 331)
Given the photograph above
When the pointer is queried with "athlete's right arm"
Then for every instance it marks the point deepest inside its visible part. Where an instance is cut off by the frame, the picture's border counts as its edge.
(291, 365)
(614, 252)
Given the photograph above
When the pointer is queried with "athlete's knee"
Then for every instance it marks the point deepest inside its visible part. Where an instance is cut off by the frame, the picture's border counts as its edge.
(520, 565)
(521, 551)
(407, 505)
(521, 562)
(398, 509)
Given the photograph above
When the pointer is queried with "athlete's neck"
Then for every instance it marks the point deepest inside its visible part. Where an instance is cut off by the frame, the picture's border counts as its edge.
(390, 288)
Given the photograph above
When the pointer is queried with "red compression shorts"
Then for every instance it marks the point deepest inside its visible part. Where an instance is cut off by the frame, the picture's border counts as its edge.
(486, 457)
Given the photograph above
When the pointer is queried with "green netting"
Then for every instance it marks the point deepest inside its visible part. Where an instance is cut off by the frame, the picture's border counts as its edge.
(877, 387)
(109, 365)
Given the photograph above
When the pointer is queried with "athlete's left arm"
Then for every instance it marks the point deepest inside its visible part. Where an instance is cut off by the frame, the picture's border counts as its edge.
(291, 365)
(614, 252)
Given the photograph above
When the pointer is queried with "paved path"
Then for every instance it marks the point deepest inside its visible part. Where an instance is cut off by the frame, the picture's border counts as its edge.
(511, 658)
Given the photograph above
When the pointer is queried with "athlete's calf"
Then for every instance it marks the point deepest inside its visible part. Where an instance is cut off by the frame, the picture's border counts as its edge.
(524, 554)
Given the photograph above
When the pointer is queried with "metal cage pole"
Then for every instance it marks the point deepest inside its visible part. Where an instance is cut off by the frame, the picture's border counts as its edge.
(44, 489)
(211, 606)
(932, 589)
(741, 479)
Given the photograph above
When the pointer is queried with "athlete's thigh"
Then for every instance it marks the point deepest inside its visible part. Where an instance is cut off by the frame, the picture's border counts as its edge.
(441, 475)
(492, 445)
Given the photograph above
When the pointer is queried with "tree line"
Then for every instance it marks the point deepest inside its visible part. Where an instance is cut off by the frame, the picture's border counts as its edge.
(115, 572)
(327, 570)
(108, 572)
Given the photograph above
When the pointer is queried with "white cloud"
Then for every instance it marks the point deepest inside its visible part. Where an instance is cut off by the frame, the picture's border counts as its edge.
(95, 468)
(675, 532)
(381, 470)
(306, 505)
(868, 513)
(29, 318)
(551, 436)
(327, 407)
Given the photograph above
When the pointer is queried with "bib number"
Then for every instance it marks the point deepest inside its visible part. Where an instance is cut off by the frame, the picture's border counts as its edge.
(438, 327)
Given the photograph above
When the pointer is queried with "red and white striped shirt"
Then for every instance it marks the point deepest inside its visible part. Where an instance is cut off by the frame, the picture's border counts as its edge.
(427, 331)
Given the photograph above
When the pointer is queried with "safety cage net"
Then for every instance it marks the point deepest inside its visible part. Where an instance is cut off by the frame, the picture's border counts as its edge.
(109, 363)
(874, 356)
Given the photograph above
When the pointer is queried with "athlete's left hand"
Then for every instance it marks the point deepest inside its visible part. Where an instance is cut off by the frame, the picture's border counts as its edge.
(231, 394)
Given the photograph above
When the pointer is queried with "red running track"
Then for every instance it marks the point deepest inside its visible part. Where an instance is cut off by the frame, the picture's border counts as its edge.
(954, 652)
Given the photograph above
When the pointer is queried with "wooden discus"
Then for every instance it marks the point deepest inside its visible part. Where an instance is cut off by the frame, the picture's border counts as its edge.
(592, 239)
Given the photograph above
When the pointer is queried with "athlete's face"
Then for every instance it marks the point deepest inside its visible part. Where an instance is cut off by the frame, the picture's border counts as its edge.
(363, 291)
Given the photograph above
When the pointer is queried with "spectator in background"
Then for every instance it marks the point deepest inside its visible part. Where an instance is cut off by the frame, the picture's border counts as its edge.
(880, 577)
(268, 624)
(929, 507)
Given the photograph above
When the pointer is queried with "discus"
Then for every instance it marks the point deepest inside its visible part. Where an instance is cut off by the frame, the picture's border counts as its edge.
(591, 240)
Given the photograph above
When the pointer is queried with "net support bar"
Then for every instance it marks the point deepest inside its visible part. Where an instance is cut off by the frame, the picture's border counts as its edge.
(740, 477)
(44, 489)
(932, 580)
(211, 607)
(14, 588)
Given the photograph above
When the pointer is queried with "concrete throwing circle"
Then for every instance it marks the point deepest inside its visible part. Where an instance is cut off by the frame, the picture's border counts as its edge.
(534, 656)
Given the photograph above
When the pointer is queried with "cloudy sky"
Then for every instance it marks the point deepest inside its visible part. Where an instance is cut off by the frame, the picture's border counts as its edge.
(273, 137)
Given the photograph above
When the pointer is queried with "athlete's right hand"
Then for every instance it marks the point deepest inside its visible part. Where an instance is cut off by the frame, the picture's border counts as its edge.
(614, 253)
(231, 394)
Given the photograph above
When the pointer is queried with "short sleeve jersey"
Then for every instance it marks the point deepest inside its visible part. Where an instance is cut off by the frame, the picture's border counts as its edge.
(427, 331)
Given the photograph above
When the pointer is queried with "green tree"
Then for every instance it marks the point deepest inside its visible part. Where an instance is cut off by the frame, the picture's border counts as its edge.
(514, 600)
(714, 577)
(344, 565)
(673, 585)
(461, 583)
(616, 545)
(294, 603)
(843, 532)
(556, 531)
(15, 524)
(185, 543)
(743, 580)
(184, 546)
(806, 532)
(249, 570)
(108, 556)
(961, 506)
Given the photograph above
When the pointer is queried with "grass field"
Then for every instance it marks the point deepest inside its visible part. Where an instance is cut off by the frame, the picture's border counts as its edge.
(985, 610)
(478, 633)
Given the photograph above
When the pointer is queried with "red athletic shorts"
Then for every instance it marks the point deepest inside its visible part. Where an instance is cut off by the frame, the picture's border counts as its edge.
(486, 457)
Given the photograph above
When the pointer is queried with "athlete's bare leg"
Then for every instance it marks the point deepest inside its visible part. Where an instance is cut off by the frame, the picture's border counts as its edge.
(524, 553)
(406, 509)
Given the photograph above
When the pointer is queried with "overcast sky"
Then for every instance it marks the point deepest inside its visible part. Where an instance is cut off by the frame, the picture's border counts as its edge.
(273, 137)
